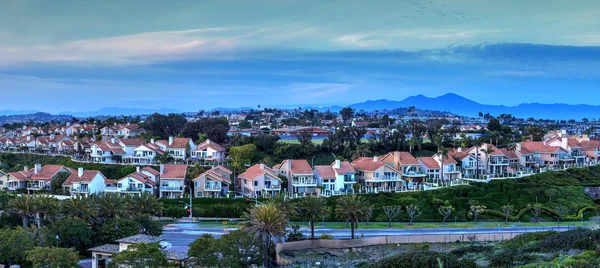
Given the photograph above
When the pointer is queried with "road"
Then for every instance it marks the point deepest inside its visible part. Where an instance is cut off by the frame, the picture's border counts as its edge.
(182, 234)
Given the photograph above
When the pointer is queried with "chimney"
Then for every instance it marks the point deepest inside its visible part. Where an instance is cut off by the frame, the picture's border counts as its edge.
(337, 164)
(137, 169)
(564, 142)
(289, 165)
(115, 124)
(207, 141)
(162, 169)
(152, 141)
(459, 149)
(68, 124)
(25, 168)
(80, 172)
(170, 140)
(37, 168)
(113, 140)
(24, 127)
(519, 146)
(262, 166)
(28, 138)
(375, 159)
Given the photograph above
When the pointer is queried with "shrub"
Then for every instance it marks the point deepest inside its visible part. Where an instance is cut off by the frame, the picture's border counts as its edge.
(326, 237)
(579, 238)
(423, 259)
(471, 249)
(522, 240)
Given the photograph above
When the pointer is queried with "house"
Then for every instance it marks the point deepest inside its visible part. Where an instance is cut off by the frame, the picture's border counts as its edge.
(496, 161)
(135, 183)
(107, 151)
(536, 154)
(86, 182)
(208, 151)
(431, 167)
(450, 169)
(101, 255)
(42, 177)
(18, 180)
(300, 176)
(259, 181)
(3, 180)
(177, 147)
(172, 180)
(145, 153)
(581, 149)
(129, 130)
(407, 165)
(467, 161)
(337, 178)
(377, 176)
(215, 182)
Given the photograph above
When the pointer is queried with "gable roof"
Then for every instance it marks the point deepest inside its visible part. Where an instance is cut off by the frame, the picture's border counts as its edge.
(87, 176)
(151, 171)
(299, 166)
(255, 171)
(180, 143)
(529, 147)
(143, 178)
(367, 164)
(429, 162)
(21, 175)
(215, 173)
(47, 172)
(325, 172)
(209, 144)
(174, 171)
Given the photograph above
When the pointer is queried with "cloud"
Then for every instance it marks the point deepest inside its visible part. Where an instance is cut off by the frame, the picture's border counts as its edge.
(517, 73)
(302, 92)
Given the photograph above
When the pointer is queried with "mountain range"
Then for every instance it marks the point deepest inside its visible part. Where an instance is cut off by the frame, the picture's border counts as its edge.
(462, 106)
(446, 103)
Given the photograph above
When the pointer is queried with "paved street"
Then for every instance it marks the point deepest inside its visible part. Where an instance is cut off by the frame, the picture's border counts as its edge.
(182, 234)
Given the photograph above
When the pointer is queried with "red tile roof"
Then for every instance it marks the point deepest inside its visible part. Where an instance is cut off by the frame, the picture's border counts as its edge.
(174, 171)
(88, 176)
(345, 168)
(510, 154)
(529, 147)
(143, 178)
(214, 173)
(47, 172)
(224, 169)
(325, 172)
(255, 171)
(429, 162)
(367, 164)
(21, 175)
(299, 166)
(152, 171)
(447, 159)
(209, 144)
(132, 142)
(180, 143)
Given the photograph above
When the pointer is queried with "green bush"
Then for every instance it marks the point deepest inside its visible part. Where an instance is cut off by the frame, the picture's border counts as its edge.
(580, 238)
(326, 237)
(423, 259)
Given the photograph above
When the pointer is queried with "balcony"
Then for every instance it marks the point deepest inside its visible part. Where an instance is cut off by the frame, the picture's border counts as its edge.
(134, 189)
(386, 178)
(212, 187)
(349, 179)
(79, 190)
(498, 161)
(172, 188)
(411, 173)
(35, 186)
(273, 187)
(304, 182)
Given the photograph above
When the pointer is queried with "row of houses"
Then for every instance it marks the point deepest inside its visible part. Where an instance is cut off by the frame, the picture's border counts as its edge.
(72, 129)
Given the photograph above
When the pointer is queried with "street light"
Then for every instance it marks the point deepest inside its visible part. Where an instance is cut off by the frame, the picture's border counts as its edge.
(57, 240)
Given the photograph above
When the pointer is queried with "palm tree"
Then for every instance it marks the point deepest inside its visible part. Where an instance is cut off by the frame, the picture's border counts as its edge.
(352, 209)
(414, 141)
(443, 153)
(25, 206)
(82, 207)
(165, 158)
(283, 203)
(477, 145)
(47, 206)
(361, 150)
(487, 151)
(146, 203)
(313, 208)
(268, 223)
(438, 140)
(112, 205)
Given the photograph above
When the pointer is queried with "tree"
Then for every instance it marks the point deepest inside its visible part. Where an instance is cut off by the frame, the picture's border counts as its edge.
(284, 204)
(150, 227)
(47, 207)
(245, 124)
(175, 212)
(392, 212)
(360, 151)
(347, 113)
(14, 243)
(352, 208)
(164, 158)
(240, 155)
(146, 204)
(57, 182)
(25, 206)
(72, 232)
(203, 251)
(215, 129)
(313, 208)
(477, 146)
(82, 207)
(413, 212)
(494, 125)
(164, 126)
(445, 210)
(267, 223)
(112, 205)
(476, 209)
(536, 210)
(443, 154)
(551, 193)
(115, 229)
(507, 210)
(561, 212)
(51, 257)
(140, 255)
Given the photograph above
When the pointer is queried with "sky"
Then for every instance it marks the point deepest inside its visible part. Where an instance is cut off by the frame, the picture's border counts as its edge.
(77, 56)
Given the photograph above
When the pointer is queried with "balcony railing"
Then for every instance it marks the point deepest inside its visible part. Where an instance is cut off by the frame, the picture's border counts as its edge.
(171, 188)
(35, 186)
(273, 187)
(386, 178)
(79, 190)
(212, 187)
(133, 189)
(304, 182)
(498, 161)
(349, 180)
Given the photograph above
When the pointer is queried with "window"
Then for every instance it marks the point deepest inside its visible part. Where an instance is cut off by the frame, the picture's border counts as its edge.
(376, 174)
(119, 185)
(255, 183)
(245, 181)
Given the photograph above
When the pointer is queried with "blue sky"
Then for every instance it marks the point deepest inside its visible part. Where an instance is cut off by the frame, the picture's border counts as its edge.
(191, 55)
